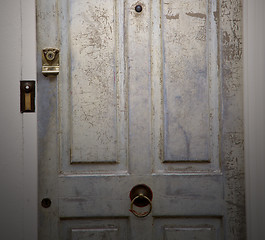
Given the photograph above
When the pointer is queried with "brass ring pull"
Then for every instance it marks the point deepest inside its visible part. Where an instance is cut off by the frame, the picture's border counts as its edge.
(144, 214)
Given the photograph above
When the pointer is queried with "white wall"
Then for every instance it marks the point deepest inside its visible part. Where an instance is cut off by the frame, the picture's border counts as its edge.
(18, 141)
(254, 90)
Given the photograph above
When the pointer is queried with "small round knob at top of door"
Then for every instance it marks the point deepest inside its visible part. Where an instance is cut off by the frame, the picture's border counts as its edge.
(138, 8)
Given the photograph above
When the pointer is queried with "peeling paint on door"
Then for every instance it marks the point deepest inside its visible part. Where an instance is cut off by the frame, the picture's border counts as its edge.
(144, 97)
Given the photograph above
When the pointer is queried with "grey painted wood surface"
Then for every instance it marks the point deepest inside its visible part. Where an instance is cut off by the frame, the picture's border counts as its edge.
(152, 97)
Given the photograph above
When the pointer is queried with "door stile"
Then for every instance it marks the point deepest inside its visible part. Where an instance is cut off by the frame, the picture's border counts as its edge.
(138, 27)
(157, 58)
(232, 152)
(122, 86)
(47, 24)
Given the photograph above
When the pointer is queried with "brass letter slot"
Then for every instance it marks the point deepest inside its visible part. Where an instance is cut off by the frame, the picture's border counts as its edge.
(27, 96)
(50, 62)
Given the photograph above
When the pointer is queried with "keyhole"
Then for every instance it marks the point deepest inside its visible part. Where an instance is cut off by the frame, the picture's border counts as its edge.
(46, 202)
(50, 56)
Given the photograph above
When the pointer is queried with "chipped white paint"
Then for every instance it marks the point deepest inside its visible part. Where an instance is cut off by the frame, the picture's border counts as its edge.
(93, 101)
(92, 80)
(152, 97)
(232, 117)
(185, 81)
(186, 103)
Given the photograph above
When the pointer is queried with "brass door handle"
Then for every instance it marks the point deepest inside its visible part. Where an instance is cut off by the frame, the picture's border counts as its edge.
(144, 214)
(141, 196)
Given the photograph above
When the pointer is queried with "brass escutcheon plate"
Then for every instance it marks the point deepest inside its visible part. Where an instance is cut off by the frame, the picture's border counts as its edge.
(141, 190)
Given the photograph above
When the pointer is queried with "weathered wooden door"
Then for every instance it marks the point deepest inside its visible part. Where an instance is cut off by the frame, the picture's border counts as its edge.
(145, 95)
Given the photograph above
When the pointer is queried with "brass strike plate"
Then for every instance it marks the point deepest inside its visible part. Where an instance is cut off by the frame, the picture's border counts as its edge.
(27, 96)
(50, 62)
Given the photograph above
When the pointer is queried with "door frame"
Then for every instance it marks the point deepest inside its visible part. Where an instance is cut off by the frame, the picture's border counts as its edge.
(254, 117)
(18, 144)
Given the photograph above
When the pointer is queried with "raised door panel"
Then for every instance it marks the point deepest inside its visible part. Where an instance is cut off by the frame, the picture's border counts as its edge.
(186, 99)
(94, 234)
(94, 229)
(188, 228)
(92, 90)
(185, 81)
